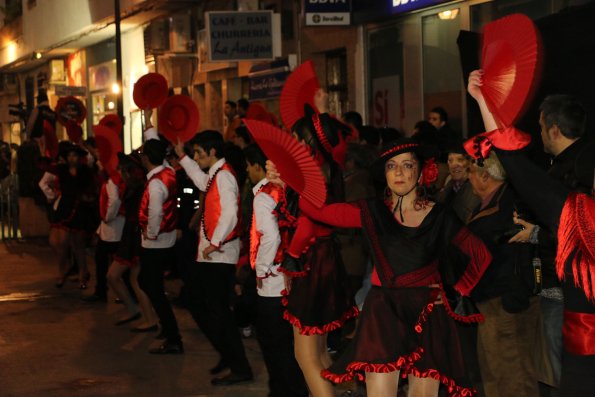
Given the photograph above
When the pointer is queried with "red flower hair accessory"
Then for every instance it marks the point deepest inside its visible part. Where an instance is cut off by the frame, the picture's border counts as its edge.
(429, 172)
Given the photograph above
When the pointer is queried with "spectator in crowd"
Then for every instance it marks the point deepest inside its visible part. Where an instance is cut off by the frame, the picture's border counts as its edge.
(232, 119)
(241, 138)
(438, 117)
(507, 338)
(243, 106)
(457, 193)
(369, 135)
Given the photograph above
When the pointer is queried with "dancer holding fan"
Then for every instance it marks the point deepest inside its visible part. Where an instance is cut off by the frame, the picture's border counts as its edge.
(316, 301)
(405, 329)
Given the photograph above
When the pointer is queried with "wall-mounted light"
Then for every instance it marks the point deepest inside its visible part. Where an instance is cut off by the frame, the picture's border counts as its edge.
(116, 88)
(449, 14)
(111, 105)
(38, 55)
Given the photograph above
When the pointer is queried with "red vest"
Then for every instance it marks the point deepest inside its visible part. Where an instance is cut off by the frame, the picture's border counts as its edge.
(170, 211)
(211, 211)
(278, 194)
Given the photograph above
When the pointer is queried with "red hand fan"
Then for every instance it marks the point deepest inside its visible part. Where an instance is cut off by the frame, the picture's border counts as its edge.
(150, 91)
(300, 87)
(510, 58)
(179, 118)
(112, 121)
(108, 146)
(295, 164)
(256, 111)
(70, 109)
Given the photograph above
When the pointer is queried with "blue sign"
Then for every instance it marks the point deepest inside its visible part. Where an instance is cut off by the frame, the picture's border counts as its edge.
(268, 85)
(399, 6)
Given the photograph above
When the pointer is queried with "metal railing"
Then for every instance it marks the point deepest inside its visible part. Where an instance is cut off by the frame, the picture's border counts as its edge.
(9, 208)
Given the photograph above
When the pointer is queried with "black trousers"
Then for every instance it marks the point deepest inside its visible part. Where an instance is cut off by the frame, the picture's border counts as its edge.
(209, 289)
(103, 257)
(275, 336)
(153, 262)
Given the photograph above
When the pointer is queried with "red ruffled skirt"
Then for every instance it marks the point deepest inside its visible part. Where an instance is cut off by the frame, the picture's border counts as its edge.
(130, 245)
(402, 330)
(318, 303)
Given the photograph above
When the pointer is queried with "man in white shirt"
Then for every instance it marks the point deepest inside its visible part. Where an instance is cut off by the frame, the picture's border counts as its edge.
(210, 281)
(158, 221)
(275, 335)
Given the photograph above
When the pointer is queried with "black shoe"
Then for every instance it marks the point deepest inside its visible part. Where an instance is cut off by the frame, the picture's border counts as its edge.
(130, 319)
(220, 367)
(152, 328)
(232, 379)
(168, 348)
(119, 301)
(94, 298)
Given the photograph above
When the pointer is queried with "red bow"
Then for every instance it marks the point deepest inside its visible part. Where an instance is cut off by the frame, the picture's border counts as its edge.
(508, 138)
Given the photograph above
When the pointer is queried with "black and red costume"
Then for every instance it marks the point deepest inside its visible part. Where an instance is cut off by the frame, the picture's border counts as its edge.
(401, 328)
(318, 301)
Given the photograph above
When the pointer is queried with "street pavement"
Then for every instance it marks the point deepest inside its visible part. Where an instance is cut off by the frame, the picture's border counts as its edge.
(54, 344)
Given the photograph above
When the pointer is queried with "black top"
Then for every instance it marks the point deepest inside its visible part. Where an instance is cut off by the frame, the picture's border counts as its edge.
(509, 275)
(405, 249)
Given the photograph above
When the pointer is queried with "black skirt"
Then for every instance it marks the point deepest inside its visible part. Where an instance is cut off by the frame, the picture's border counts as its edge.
(130, 244)
(318, 303)
(402, 330)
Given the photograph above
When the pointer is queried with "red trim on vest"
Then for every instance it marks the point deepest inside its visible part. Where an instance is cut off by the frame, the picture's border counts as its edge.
(170, 213)
(579, 333)
(278, 195)
(212, 209)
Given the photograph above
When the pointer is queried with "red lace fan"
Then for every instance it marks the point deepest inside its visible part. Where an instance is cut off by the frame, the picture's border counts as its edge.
(108, 146)
(295, 164)
(300, 87)
(510, 58)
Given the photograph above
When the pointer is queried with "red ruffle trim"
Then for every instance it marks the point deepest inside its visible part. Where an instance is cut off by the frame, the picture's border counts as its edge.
(451, 386)
(316, 330)
(301, 274)
(128, 262)
(357, 368)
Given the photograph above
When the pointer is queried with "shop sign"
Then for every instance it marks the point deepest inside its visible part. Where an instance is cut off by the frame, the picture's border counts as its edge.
(64, 90)
(327, 12)
(240, 36)
(399, 6)
(268, 85)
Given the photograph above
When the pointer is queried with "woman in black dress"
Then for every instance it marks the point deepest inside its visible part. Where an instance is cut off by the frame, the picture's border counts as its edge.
(422, 255)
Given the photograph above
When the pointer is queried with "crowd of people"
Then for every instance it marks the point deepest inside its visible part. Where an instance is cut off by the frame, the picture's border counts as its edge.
(426, 263)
